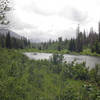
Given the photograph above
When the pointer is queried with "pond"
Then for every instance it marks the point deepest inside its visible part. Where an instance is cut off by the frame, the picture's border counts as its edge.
(91, 61)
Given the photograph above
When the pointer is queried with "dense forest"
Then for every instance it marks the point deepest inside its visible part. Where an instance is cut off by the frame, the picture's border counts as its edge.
(12, 42)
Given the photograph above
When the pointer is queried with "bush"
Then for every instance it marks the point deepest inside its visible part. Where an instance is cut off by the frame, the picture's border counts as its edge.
(57, 59)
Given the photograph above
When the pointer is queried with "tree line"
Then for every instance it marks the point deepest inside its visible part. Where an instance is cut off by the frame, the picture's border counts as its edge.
(12, 42)
(78, 44)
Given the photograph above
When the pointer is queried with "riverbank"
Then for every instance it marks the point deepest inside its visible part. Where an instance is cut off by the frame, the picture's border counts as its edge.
(85, 52)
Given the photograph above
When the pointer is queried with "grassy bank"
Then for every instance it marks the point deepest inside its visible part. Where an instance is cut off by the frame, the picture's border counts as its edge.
(85, 52)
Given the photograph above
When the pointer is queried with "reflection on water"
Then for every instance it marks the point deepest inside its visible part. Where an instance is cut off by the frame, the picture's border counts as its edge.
(90, 60)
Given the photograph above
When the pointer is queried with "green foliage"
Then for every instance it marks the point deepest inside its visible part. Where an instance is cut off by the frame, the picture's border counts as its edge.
(95, 73)
(86, 51)
(72, 45)
(82, 44)
(24, 79)
(96, 47)
(11, 42)
(57, 59)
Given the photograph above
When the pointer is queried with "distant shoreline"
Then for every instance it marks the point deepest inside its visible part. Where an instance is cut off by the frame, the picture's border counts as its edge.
(61, 52)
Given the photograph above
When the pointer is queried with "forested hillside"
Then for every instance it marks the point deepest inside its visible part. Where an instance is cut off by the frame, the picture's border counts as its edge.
(8, 41)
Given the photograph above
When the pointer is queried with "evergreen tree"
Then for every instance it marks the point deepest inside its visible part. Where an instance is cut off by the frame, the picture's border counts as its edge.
(72, 45)
(2, 43)
(84, 38)
(96, 47)
(8, 41)
(60, 46)
(79, 42)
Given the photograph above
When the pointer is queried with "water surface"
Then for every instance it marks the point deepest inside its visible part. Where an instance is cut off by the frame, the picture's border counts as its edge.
(91, 61)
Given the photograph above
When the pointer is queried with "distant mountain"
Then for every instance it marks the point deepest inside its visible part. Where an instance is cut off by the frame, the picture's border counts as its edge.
(12, 34)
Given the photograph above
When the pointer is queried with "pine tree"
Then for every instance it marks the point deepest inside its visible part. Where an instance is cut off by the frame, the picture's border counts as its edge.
(8, 41)
(79, 42)
(84, 38)
(59, 48)
(72, 46)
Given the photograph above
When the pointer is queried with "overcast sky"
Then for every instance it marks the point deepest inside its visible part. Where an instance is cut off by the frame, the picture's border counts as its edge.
(45, 19)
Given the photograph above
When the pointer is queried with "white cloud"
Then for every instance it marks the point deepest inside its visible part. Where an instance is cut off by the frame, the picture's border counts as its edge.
(44, 19)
